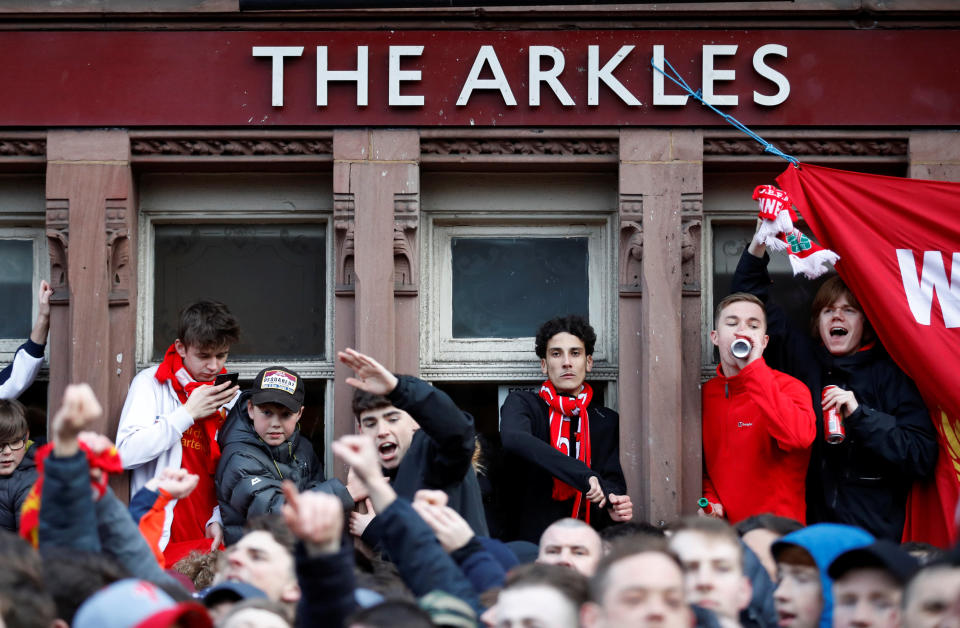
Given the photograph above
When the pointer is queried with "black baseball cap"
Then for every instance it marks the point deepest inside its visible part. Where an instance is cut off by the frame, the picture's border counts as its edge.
(883, 554)
(277, 384)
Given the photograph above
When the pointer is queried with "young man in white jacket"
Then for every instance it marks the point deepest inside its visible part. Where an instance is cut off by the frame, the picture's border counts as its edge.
(171, 417)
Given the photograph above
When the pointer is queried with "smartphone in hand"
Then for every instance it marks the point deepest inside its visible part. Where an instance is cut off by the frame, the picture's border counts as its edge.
(233, 378)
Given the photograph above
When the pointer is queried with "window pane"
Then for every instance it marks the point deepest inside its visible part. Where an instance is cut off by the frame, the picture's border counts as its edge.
(793, 294)
(273, 278)
(16, 288)
(506, 287)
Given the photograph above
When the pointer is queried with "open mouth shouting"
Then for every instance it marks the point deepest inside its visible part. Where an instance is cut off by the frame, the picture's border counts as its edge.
(836, 332)
(388, 452)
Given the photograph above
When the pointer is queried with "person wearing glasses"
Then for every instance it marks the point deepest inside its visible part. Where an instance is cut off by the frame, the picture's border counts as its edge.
(17, 469)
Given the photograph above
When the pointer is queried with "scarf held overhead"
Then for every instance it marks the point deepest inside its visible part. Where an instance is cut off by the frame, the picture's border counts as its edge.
(563, 411)
(778, 233)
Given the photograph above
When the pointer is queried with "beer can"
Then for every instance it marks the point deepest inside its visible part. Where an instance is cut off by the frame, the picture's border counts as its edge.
(740, 348)
(833, 431)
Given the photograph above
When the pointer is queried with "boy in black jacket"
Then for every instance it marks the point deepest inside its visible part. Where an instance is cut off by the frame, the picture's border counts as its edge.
(261, 447)
(423, 439)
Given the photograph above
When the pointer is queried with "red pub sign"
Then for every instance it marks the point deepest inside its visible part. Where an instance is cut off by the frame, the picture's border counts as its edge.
(474, 78)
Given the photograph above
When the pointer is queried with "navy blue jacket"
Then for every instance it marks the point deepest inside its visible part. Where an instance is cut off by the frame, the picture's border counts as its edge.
(421, 560)
(440, 455)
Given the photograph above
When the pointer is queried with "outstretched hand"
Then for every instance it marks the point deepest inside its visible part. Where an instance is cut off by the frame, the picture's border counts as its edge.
(370, 375)
(78, 411)
(451, 529)
(314, 517)
(177, 482)
(359, 452)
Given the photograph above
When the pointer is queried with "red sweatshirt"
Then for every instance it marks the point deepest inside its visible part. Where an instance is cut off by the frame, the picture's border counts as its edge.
(758, 427)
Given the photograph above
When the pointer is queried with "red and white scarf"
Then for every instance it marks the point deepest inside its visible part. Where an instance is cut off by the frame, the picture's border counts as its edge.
(778, 233)
(172, 370)
(563, 411)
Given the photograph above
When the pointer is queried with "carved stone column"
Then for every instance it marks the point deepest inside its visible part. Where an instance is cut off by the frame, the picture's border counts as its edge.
(91, 229)
(660, 177)
(376, 210)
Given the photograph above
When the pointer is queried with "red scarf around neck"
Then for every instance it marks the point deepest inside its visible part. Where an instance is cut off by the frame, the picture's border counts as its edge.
(199, 454)
(172, 370)
(563, 411)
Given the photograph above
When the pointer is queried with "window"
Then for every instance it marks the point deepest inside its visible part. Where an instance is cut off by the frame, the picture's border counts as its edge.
(275, 275)
(504, 253)
(259, 242)
(23, 258)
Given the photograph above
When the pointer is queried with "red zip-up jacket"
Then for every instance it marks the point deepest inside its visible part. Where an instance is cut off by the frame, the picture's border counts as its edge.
(758, 427)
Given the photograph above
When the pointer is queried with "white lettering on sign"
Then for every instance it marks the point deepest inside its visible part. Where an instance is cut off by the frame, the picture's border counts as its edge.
(486, 56)
(711, 75)
(277, 53)
(359, 76)
(538, 75)
(595, 74)
(486, 62)
(932, 278)
(660, 96)
(783, 85)
(397, 76)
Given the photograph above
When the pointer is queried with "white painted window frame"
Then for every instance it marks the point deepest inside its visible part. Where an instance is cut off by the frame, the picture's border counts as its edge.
(41, 264)
(273, 212)
(447, 358)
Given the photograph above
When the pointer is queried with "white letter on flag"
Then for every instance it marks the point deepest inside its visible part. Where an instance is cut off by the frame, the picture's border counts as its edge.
(933, 276)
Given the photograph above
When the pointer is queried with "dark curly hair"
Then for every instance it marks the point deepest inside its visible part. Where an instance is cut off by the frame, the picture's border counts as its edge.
(571, 324)
(363, 401)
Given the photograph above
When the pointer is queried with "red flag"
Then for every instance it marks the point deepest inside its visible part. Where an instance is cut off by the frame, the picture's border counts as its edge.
(898, 241)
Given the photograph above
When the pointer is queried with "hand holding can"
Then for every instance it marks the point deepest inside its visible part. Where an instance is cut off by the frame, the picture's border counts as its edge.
(833, 431)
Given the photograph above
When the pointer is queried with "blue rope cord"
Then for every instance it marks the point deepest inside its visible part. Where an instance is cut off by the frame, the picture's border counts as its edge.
(767, 146)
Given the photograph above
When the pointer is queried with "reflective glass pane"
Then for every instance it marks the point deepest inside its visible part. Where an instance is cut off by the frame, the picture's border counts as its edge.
(793, 294)
(506, 287)
(16, 288)
(273, 278)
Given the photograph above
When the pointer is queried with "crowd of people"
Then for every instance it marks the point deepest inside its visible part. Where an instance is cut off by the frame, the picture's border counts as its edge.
(812, 440)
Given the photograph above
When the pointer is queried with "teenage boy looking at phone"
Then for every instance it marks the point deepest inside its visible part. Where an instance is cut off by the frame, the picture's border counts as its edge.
(758, 423)
(171, 417)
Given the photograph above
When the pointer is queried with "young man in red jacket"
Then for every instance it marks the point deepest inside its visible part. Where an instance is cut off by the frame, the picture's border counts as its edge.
(758, 423)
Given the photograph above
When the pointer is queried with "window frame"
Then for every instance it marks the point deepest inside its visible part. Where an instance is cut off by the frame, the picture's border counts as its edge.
(41, 265)
(274, 211)
(446, 358)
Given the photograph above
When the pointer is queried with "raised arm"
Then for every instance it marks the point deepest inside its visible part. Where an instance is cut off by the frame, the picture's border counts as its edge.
(451, 430)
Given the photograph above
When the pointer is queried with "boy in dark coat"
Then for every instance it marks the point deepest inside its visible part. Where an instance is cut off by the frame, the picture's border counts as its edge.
(423, 439)
(261, 447)
(17, 470)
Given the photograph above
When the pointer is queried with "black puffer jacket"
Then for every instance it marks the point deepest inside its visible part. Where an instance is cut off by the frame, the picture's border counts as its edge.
(251, 472)
(891, 442)
(14, 489)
